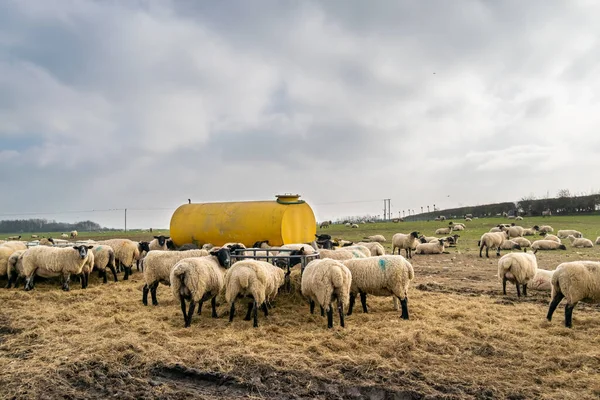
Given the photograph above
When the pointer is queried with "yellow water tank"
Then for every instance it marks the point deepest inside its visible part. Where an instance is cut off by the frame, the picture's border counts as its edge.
(285, 220)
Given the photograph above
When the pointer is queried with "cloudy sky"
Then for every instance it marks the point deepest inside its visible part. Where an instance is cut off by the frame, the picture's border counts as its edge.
(143, 104)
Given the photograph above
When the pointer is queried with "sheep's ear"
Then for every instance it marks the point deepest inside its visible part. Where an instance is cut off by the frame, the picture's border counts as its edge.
(155, 237)
(76, 248)
(90, 247)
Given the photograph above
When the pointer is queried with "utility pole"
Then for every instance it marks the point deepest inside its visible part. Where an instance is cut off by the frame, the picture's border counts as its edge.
(387, 209)
(125, 220)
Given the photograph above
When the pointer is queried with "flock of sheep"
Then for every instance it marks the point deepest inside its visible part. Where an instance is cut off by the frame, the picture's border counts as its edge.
(335, 270)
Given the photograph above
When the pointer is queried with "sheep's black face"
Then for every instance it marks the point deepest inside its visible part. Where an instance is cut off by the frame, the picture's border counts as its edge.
(144, 246)
(83, 250)
(171, 244)
(233, 247)
(161, 239)
(537, 228)
(323, 236)
(296, 257)
(415, 234)
(223, 256)
(562, 247)
(325, 244)
(517, 247)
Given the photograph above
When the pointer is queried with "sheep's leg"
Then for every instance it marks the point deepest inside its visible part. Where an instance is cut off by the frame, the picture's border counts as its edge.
(12, 280)
(330, 317)
(480, 250)
(65, 285)
(124, 268)
(200, 306)
(29, 282)
(498, 251)
(518, 290)
(487, 248)
(404, 304)
(363, 301)
(312, 306)
(569, 315)
(255, 325)
(190, 313)
(248, 316)
(265, 309)
(351, 305)
(213, 304)
(137, 264)
(153, 293)
(114, 272)
(558, 296)
(232, 311)
(183, 309)
(102, 274)
(504, 285)
(341, 312)
(145, 291)
(525, 289)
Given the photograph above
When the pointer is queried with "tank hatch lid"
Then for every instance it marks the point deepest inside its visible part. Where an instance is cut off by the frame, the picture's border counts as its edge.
(289, 198)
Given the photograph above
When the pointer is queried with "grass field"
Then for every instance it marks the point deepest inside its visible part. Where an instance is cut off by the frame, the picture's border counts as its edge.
(465, 340)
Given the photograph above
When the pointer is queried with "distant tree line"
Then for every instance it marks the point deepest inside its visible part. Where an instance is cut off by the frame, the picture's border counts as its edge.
(43, 225)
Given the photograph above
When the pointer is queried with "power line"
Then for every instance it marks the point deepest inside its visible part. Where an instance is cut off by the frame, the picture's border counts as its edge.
(85, 211)
(347, 202)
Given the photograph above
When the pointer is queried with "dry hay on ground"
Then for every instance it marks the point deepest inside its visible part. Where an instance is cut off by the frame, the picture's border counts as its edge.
(464, 341)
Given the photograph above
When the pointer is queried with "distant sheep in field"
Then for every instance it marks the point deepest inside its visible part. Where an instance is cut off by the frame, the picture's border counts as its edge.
(491, 240)
(405, 241)
(376, 238)
(443, 231)
(354, 226)
(576, 281)
(64, 235)
(14, 237)
(521, 241)
(563, 234)
(325, 224)
(597, 240)
(510, 245)
(580, 242)
(547, 245)
(430, 248)
(544, 229)
(74, 234)
(519, 218)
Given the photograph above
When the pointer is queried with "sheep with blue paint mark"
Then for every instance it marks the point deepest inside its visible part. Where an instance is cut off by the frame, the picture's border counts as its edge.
(388, 275)
(340, 254)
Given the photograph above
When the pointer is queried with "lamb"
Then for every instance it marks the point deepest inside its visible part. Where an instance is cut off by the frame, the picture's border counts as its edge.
(53, 261)
(542, 280)
(406, 242)
(491, 240)
(388, 275)
(73, 234)
(375, 248)
(104, 256)
(376, 238)
(199, 279)
(126, 252)
(443, 231)
(159, 243)
(544, 228)
(259, 280)
(521, 241)
(157, 269)
(14, 268)
(563, 234)
(457, 227)
(517, 268)
(597, 240)
(340, 254)
(547, 245)
(322, 282)
(510, 245)
(577, 281)
(354, 226)
(431, 248)
(580, 242)
(551, 237)
(519, 218)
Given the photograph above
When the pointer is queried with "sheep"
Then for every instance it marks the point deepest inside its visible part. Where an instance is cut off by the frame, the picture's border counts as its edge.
(452, 240)
(580, 242)
(551, 237)
(73, 234)
(259, 280)
(468, 220)
(362, 249)
(354, 226)
(143, 249)
(376, 238)
(205, 246)
(322, 282)
(528, 232)
(510, 245)
(64, 235)
(199, 279)
(542, 280)
(324, 224)
(46, 242)
(375, 248)
(521, 241)
(515, 231)
(340, 254)
(14, 237)
(547, 245)
(455, 224)
(457, 227)
(517, 268)
(491, 240)
(519, 218)
(577, 281)
(126, 252)
(431, 248)
(544, 228)
(563, 234)
(53, 261)
(5, 253)
(348, 224)
(443, 231)
(406, 242)
(15, 245)
(14, 268)
(496, 229)
(104, 256)
(159, 243)
(88, 266)
(388, 275)
(157, 269)
(35, 236)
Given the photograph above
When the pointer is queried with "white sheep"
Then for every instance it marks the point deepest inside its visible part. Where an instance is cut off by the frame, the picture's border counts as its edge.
(73, 234)
(354, 226)
(54, 261)
(104, 257)
(159, 243)
(564, 233)
(542, 280)
(376, 238)
(405, 241)
(388, 275)
(547, 245)
(358, 247)
(199, 279)
(443, 231)
(519, 218)
(577, 281)
(521, 241)
(580, 242)
(324, 281)
(491, 240)
(157, 269)
(15, 245)
(375, 248)
(551, 237)
(528, 232)
(597, 240)
(510, 245)
(252, 278)
(544, 228)
(517, 268)
(14, 268)
(340, 254)
(431, 248)
(126, 252)
(515, 231)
